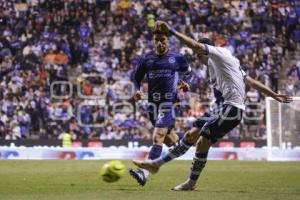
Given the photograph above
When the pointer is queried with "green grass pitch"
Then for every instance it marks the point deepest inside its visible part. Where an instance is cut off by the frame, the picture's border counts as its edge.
(71, 180)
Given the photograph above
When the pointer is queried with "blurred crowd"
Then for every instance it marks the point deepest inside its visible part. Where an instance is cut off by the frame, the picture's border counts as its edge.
(66, 65)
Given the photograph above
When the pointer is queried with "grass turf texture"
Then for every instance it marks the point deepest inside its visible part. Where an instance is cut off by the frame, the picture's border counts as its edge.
(232, 180)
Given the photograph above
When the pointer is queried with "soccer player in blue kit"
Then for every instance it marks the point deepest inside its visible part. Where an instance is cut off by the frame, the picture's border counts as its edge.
(229, 80)
(166, 72)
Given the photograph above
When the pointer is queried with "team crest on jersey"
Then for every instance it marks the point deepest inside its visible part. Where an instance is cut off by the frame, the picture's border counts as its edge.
(171, 60)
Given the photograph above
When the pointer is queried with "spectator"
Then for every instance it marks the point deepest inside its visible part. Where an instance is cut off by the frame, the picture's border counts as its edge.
(39, 47)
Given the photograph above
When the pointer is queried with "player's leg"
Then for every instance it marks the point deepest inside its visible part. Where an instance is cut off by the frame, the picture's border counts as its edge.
(180, 148)
(198, 164)
(141, 175)
(212, 131)
(171, 138)
(163, 125)
(162, 134)
(188, 140)
(176, 151)
(159, 135)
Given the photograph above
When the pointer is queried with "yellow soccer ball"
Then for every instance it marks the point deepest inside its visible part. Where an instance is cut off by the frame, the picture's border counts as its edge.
(112, 171)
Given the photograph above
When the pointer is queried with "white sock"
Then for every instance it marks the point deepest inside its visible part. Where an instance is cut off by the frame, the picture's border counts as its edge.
(146, 173)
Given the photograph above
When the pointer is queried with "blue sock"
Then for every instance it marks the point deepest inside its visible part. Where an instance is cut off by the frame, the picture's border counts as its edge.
(155, 152)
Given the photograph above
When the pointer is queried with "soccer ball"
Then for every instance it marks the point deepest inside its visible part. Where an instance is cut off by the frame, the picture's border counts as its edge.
(112, 171)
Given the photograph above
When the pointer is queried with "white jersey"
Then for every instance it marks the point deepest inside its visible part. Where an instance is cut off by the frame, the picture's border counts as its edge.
(227, 76)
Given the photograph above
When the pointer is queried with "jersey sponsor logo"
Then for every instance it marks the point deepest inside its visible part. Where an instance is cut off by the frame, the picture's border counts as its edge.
(149, 62)
(164, 73)
(171, 60)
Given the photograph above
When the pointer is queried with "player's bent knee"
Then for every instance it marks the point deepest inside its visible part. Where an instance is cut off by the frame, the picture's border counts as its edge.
(213, 137)
(169, 143)
(158, 140)
(203, 144)
(192, 136)
(159, 137)
(204, 141)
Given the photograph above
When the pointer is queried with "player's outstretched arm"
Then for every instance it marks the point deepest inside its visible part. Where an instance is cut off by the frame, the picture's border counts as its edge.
(283, 98)
(196, 46)
(137, 77)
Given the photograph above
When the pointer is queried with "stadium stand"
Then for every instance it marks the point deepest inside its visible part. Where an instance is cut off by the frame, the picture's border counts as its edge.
(48, 48)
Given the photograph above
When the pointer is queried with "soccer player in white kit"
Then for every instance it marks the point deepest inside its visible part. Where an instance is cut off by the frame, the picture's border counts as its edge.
(229, 82)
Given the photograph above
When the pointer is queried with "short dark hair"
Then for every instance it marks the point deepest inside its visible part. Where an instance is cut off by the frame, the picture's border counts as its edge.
(206, 41)
(157, 31)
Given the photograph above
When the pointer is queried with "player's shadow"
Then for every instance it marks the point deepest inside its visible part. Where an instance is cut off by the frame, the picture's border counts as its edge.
(133, 188)
(128, 189)
(248, 191)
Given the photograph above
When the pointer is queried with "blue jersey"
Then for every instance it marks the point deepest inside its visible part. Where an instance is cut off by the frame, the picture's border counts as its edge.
(84, 32)
(163, 75)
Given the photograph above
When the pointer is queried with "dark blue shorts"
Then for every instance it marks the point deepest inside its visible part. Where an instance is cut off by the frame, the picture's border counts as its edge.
(162, 117)
(217, 123)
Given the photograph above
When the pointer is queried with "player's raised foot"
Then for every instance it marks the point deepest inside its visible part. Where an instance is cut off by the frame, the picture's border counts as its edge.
(147, 164)
(186, 186)
(139, 176)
